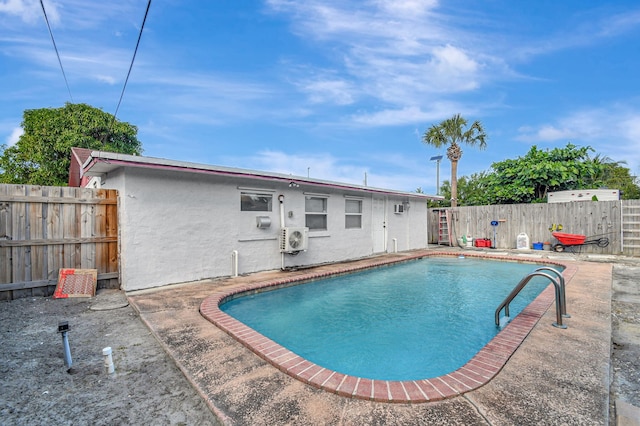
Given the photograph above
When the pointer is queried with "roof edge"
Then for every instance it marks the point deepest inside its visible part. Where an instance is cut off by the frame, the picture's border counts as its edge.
(124, 160)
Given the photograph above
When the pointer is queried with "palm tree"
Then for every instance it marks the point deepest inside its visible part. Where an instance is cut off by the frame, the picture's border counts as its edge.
(451, 132)
(605, 167)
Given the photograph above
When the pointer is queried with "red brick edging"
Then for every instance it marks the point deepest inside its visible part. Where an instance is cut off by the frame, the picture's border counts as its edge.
(474, 374)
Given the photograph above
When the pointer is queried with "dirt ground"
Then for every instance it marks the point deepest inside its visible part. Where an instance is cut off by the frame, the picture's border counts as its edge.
(147, 387)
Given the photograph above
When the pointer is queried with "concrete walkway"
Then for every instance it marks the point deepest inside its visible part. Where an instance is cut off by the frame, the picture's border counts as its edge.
(555, 377)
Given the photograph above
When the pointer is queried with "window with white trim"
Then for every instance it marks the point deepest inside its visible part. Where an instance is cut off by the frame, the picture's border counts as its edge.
(352, 214)
(255, 202)
(315, 209)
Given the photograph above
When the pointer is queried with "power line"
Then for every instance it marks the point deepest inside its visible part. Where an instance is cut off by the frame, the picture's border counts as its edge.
(132, 60)
(56, 49)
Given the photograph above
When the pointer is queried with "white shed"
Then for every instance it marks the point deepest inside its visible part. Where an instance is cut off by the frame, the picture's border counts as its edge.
(181, 222)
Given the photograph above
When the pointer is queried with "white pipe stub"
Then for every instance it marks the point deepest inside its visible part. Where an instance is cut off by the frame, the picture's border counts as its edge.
(108, 360)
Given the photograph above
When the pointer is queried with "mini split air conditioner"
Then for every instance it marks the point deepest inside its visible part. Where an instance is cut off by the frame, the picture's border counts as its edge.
(398, 208)
(293, 240)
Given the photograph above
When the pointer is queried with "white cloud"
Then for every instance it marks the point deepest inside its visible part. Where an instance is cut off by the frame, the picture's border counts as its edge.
(321, 166)
(405, 173)
(412, 114)
(588, 124)
(631, 127)
(545, 133)
(15, 136)
(613, 131)
(397, 52)
(106, 79)
(594, 26)
(329, 91)
(407, 8)
(450, 59)
(30, 11)
(394, 117)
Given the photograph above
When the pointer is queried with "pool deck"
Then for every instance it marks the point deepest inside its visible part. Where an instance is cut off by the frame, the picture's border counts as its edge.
(554, 376)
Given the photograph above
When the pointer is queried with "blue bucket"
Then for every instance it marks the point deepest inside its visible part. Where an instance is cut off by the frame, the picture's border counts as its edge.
(537, 246)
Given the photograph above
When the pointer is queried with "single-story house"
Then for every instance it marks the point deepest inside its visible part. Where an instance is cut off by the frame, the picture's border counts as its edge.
(181, 221)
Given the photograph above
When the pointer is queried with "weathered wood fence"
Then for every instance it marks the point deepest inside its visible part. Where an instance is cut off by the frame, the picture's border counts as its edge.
(619, 221)
(43, 229)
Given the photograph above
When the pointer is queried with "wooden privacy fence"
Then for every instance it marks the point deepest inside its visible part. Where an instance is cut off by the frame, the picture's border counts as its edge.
(44, 229)
(619, 221)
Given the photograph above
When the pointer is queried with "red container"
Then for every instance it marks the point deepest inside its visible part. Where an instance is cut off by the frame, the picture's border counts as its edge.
(569, 239)
(483, 242)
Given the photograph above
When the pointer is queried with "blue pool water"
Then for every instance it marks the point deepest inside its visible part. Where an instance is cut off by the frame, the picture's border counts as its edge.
(415, 320)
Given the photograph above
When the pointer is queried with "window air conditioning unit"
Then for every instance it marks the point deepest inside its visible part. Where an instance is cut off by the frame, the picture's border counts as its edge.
(293, 240)
(398, 208)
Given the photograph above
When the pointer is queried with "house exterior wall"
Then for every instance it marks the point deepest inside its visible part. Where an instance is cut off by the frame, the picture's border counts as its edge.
(180, 226)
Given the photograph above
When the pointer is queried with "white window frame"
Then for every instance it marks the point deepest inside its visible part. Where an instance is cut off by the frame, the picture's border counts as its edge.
(350, 215)
(311, 214)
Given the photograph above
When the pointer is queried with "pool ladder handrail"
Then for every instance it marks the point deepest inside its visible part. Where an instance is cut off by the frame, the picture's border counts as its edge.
(563, 295)
(558, 284)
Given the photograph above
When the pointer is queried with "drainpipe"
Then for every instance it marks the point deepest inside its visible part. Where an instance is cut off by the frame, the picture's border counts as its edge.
(281, 201)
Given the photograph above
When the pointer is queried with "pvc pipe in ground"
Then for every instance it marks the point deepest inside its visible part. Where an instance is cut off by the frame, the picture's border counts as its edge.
(234, 262)
(108, 360)
(395, 245)
(67, 350)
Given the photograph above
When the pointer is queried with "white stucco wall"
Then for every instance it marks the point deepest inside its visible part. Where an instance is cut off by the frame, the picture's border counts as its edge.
(181, 226)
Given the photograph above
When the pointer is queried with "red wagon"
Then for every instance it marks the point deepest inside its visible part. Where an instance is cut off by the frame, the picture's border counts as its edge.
(569, 240)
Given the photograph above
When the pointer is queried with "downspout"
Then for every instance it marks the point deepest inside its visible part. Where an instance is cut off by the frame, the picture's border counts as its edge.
(281, 201)
(427, 230)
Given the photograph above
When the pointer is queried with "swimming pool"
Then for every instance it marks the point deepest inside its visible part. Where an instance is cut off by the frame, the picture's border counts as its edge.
(409, 321)
(415, 388)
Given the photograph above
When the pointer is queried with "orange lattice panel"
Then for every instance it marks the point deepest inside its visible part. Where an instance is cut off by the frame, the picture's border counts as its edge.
(76, 283)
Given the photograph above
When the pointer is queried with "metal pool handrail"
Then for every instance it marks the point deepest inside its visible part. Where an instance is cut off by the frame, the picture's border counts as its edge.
(558, 293)
(563, 301)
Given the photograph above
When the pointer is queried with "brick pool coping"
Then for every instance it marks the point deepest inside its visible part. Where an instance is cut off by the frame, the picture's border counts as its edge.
(478, 371)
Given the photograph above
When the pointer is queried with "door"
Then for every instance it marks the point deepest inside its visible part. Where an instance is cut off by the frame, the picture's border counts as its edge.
(378, 225)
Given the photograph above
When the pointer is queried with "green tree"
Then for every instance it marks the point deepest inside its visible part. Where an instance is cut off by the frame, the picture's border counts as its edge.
(528, 179)
(42, 154)
(619, 177)
(473, 190)
(613, 174)
(452, 132)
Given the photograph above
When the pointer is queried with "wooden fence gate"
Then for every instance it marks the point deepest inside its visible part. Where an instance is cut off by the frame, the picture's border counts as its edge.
(44, 229)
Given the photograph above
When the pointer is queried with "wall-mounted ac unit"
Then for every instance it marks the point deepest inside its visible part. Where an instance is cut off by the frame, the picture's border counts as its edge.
(293, 239)
(398, 208)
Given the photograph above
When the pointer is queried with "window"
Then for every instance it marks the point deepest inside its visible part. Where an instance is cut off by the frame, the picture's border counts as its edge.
(316, 213)
(353, 214)
(254, 202)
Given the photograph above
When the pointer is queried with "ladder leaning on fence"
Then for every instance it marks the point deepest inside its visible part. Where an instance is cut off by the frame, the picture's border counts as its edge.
(444, 230)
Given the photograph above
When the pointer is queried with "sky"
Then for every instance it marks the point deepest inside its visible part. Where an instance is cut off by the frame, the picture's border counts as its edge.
(340, 90)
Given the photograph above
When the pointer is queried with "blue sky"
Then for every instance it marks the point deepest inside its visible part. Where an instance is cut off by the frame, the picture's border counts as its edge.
(335, 88)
